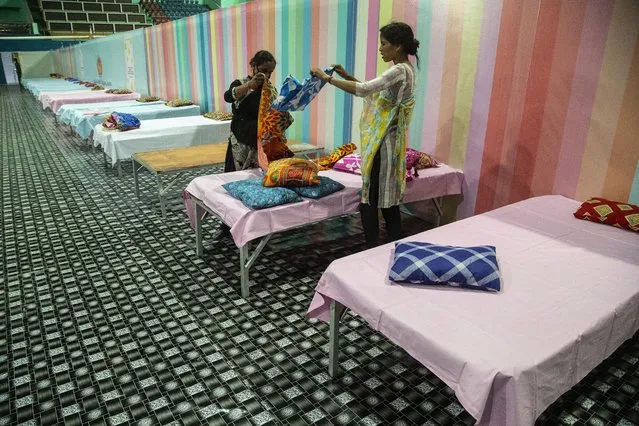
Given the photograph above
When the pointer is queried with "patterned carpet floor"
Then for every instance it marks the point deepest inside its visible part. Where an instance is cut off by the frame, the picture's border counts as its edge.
(109, 317)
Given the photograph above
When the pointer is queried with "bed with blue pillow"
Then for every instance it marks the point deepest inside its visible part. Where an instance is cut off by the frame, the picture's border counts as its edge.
(337, 194)
(510, 308)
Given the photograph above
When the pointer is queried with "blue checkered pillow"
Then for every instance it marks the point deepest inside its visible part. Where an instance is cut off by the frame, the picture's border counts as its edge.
(426, 263)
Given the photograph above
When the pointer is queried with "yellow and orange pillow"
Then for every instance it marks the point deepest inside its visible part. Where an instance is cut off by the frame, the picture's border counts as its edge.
(291, 172)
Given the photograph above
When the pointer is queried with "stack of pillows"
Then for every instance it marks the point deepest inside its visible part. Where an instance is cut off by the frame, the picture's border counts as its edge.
(285, 181)
(288, 179)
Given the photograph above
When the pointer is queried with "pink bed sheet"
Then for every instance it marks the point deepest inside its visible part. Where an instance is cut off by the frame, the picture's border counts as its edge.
(54, 100)
(247, 224)
(570, 298)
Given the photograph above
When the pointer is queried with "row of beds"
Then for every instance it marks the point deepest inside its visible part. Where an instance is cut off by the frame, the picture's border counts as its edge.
(570, 293)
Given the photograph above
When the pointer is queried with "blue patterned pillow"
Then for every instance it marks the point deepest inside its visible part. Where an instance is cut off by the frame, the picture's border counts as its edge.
(326, 187)
(426, 263)
(255, 196)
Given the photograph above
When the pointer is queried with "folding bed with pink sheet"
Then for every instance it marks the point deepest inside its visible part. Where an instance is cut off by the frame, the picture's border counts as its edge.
(569, 298)
(55, 100)
(205, 194)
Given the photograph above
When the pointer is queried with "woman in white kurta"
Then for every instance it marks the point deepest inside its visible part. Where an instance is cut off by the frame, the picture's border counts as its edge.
(388, 106)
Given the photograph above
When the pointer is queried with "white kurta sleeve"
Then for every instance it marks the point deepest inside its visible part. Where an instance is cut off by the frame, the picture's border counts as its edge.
(384, 81)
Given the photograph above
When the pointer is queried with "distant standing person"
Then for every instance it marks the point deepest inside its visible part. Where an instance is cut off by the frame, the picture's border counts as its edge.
(16, 64)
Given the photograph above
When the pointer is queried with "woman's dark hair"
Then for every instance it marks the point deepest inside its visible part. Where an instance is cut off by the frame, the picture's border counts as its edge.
(262, 57)
(401, 34)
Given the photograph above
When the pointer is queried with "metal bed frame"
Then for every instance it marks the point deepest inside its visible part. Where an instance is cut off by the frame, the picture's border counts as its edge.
(248, 258)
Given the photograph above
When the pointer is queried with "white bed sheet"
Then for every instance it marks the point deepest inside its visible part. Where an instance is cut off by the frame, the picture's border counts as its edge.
(71, 114)
(85, 121)
(247, 224)
(160, 134)
(570, 298)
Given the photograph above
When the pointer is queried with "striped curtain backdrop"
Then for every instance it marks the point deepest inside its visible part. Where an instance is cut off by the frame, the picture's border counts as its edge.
(200, 56)
(528, 97)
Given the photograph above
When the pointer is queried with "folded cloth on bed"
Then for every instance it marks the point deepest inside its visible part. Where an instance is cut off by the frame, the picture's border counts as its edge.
(326, 186)
(118, 91)
(425, 263)
(615, 213)
(255, 196)
(178, 102)
(295, 96)
(121, 121)
(148, 99)
(219, 115)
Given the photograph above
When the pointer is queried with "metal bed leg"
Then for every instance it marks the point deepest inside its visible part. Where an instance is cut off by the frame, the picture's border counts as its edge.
(337, 310)
(158, 179)
(244, 270)
(199, 249)
(163, 190)
(247, 261)
(437, 202)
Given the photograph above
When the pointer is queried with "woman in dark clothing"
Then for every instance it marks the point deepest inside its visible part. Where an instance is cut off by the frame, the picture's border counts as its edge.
(244, 95)
(16, 64)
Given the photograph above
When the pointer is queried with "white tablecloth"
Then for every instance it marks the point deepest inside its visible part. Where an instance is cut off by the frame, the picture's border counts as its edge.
(85, 121)
(71, 114)
(165, 133)
(37, 86)
(570, 298)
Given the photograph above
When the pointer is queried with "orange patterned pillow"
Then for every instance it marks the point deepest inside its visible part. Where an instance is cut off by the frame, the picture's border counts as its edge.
(291, 172)
(615, 213)
(339, 152)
